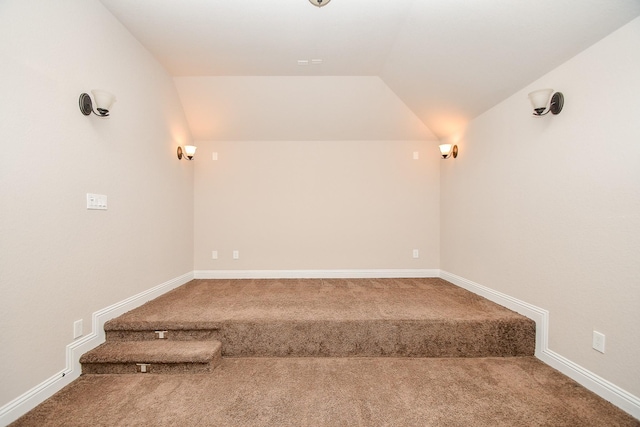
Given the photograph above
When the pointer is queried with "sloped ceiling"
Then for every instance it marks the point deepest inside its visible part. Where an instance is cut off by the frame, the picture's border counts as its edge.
(447, 60)
(300, 108)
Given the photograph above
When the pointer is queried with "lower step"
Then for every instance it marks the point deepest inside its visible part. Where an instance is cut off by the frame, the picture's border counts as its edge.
(156, 357)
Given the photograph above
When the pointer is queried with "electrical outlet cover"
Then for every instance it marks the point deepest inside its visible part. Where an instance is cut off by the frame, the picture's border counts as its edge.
(77, 329)
(598, 341)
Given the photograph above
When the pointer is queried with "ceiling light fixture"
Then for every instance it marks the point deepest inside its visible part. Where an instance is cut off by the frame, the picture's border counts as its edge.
(543, 101)
(103, 99)
(448, 150)
(319, 3)
(189, 152)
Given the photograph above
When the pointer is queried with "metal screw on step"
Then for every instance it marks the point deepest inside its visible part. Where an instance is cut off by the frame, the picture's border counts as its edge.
(161, 334)
(143, 367)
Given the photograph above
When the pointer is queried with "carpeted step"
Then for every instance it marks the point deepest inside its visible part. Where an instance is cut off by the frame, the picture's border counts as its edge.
(151, 332)
(187, 331)
(158, 357)
(331, 318)
(379, 338)
(501, 337)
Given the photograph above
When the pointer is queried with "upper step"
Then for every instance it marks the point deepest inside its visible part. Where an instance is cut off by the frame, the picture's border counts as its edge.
(160, 356)
(333, 317)
(362, 338)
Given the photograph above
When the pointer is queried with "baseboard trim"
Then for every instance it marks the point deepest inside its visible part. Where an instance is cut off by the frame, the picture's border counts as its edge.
(603, 388)
(38, 394)
(537, 314)
(314, 274)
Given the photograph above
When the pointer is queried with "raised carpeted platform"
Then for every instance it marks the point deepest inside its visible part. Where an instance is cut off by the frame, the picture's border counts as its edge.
(332, 318)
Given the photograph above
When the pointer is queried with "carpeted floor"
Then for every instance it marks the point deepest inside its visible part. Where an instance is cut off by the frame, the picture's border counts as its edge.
(466, 361)
(332, 392)
(210, 302)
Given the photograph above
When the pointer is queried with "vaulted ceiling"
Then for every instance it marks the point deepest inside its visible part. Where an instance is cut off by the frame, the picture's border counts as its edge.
(447, 60)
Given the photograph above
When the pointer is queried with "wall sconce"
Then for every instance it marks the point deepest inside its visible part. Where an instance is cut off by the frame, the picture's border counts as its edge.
(448, 150)
(543, 101)
(104, 100)
(189, 152)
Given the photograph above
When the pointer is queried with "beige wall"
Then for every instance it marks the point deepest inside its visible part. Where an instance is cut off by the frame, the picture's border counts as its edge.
(313, 173)
(58, 261)
(547, 210)
(311, 205)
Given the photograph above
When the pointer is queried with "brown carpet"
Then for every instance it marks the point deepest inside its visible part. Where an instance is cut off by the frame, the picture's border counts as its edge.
(336, 317)
(515, 391)
(380, 317)
(209, 302)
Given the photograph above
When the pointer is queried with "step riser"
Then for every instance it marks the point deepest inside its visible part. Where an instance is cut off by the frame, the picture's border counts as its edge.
(376, 341)
(362, 339)
(153, 368)
(173, 335)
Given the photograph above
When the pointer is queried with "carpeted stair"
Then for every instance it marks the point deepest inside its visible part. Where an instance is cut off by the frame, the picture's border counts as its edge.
(157, 357)
(351, 338)
(189, 328)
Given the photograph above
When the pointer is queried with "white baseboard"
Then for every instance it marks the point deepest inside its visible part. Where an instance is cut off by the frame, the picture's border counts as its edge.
(314, 274)
(603, 388)
(29, 400)
(537, 314)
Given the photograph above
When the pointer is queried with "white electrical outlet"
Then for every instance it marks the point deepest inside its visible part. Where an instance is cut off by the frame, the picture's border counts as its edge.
(214, 254)
(416, 253)
(416, 155)
(96, 201)
(214, 156)
(77, 329)
(236, 254)
(598, 341)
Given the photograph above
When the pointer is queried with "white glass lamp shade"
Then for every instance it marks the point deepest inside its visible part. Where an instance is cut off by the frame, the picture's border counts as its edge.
(445, 150)
(540, 99)
(104, 101)
(190, 151)
(319, 3)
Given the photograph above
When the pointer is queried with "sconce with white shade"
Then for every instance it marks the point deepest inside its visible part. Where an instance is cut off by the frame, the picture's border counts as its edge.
(188, 152)
(545, 100)
(319, 3)
(448, 150)
(104, 100)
